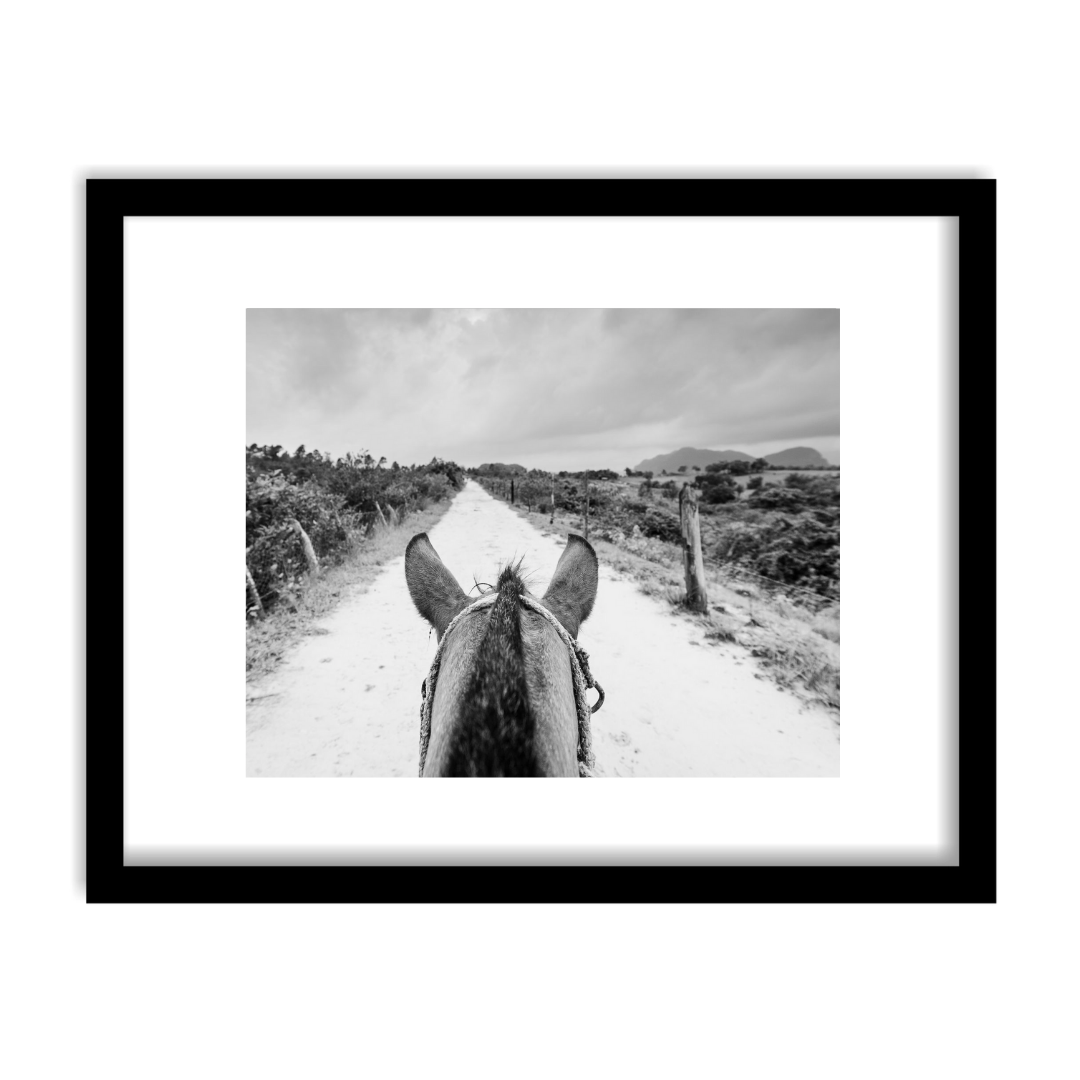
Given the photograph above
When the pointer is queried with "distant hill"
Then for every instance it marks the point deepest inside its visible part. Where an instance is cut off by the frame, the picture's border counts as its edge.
(689, 457)
(797, 456)
(499, 469)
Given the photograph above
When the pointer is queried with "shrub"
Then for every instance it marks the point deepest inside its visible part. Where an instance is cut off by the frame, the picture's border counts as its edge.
(330, 499)
(661, 525)
(275, 556)
(724, 491)
(774, 497)
(801, 550)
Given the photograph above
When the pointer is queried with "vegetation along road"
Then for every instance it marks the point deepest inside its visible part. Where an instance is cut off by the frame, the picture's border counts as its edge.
(346, 700)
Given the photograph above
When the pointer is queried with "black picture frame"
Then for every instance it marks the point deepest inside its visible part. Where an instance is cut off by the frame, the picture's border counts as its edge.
(109, 880)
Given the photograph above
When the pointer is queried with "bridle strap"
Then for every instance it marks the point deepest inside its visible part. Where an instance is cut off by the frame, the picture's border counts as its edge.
(579, 666)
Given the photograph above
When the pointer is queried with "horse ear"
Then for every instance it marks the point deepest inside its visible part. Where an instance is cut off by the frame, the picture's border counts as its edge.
(434, 590)
(572, 591)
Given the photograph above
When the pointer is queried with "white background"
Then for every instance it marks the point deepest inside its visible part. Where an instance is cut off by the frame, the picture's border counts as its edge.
(751, 991)
(185, 778)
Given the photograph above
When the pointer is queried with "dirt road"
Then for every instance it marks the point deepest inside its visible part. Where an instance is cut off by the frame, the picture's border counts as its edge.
(347, 701)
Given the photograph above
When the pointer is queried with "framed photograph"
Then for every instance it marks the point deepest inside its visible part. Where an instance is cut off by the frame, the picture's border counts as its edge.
(541, 480)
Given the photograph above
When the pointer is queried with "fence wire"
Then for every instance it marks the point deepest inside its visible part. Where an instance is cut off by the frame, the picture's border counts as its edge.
(814, 597)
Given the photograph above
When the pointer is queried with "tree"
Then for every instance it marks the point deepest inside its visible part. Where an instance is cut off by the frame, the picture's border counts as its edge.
(725, 490)
(533, 491)
(697, 468)
(717, 486)
(759, 465)
(629, 471)
(682, 468)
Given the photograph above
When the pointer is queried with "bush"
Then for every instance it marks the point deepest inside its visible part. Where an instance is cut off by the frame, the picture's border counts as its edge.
(800, 491)
(807, 553)
(774, 497)
(801, 549)
(661, 525)
(534, 492)
(275, 555)
(332, 501)
(725, 491)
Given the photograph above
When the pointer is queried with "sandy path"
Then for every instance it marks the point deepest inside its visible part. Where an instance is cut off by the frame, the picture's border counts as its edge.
(347, 701)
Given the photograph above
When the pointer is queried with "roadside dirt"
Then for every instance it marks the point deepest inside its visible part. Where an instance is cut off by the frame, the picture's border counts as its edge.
(347, 701)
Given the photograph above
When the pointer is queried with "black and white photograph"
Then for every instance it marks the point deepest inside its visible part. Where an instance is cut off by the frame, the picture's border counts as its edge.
(537, 327)
(570, 542)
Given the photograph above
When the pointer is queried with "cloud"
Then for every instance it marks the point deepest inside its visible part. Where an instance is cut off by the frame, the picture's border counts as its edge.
(551, 385)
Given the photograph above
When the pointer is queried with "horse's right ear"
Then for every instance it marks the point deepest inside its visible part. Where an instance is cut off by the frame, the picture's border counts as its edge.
(434, 590)
(572, 591)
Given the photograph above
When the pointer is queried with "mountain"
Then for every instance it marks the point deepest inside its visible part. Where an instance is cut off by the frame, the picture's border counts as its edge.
(795, 457)
(689, 457)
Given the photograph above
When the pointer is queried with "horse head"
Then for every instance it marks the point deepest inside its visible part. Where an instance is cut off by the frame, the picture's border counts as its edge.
(505, 695)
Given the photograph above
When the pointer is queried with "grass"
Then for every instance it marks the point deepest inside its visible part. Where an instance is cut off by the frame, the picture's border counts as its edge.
(269, 639)
(798, 648)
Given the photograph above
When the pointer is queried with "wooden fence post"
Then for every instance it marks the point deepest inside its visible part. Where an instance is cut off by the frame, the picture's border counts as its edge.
(586, 504)
(309, 551)
(693, 564)
(253, 594)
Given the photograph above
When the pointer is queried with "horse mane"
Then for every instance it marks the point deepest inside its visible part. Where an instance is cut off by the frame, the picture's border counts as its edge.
(495, 735)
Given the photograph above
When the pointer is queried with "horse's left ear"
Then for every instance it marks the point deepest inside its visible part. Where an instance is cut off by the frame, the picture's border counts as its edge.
(572, 591)
(434, 590)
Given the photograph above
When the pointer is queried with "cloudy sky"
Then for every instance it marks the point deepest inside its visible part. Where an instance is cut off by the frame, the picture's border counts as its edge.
(544, 388)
